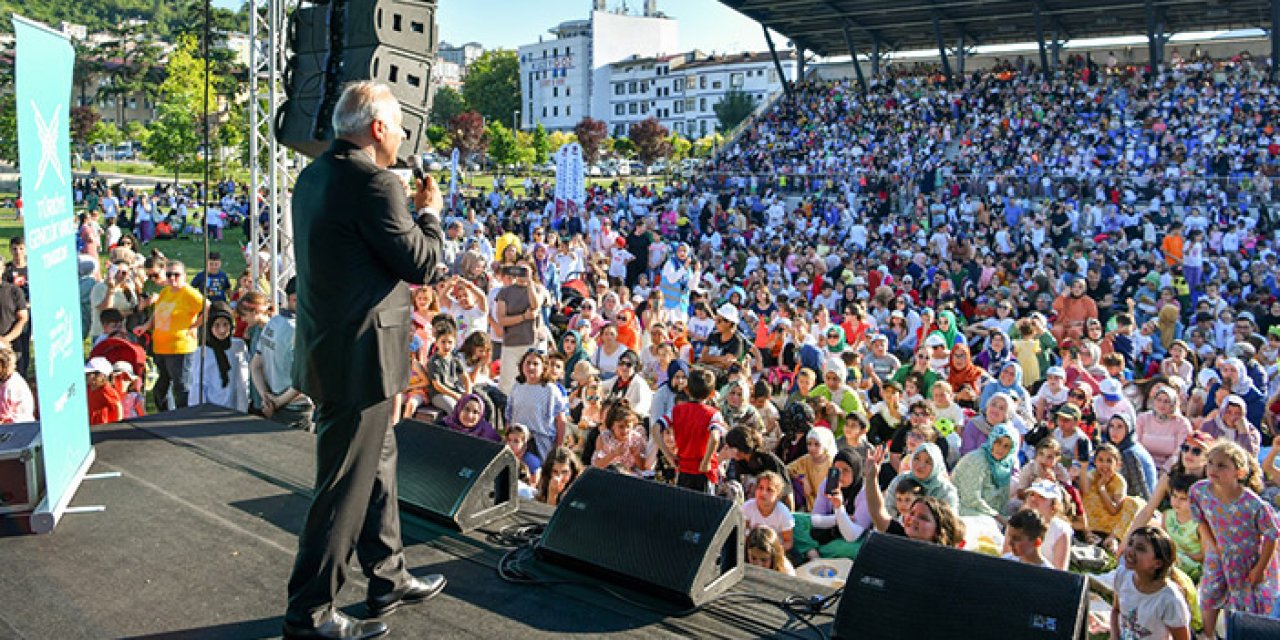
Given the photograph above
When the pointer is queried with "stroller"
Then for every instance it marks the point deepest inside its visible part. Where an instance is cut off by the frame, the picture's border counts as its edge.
(578, 287)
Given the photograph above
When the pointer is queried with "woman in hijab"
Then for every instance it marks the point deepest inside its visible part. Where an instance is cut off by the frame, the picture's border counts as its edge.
(671, 391)
(468, 416)
(1163, 429)
(1138, 468)
(834, 340)
(830, 530)
(1009, 382)
(978, 429)
(929, 468)
(574, 352)
(223, 361)
(1235, 378)
(966, 378)
(948, 329)
(1231, 422)
(983, 477)
(735, 406)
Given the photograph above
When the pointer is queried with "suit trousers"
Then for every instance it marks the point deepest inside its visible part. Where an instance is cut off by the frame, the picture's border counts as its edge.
(354, 509)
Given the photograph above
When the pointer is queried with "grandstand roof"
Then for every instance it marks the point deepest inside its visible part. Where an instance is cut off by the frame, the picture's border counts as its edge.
(908, 24)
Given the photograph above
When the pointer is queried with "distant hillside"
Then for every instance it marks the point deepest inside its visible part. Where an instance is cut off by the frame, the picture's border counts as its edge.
(101, 15)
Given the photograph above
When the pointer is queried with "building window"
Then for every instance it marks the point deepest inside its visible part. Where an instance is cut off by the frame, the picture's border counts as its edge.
(736, 79)
(678, 106)
(619, 109)
(568, 50)
(555, 92)
(644, 87)
(619, 89)
(702, 82)
(644, 107)
(690, 104)
(631, 88)
(544, 112)
(773, 76)
(675, 86)
(702, 104)
(555, 52)
(555, 112)
(715, 85)
(678, 127)
(633, 108)
(568, 110)
(691, 82)
(568, 91)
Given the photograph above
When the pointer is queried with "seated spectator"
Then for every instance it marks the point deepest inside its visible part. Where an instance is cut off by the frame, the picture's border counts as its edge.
(104, 401)
(130, 388)
(809, 473)
(17, 403)
(1104, 493)
(1024, 537)
(984, 477)
(925, 519)
(767, 510)
(562, 468)
(765, 550)
(621, 444)
(468, 416)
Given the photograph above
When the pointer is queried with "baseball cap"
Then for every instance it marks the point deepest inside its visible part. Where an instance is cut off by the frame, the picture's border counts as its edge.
(1056, 371)
(123, 367)
(98, 365)
(1110, 389)
(1068, 410)
(729, 313)
(935, 340)
(1046, 489)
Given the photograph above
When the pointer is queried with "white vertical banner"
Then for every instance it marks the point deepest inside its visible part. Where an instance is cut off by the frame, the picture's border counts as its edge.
(577, 174)
(453, 179)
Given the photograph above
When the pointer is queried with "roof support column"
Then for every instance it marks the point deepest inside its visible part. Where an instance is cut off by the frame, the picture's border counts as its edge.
(1044, 50)
(1155, 40)
(942, 48)
(853, 58)
(1056, 50)
(777, 64)
(1275, 38)
(875, 57)
(962, 54)
(799, 63)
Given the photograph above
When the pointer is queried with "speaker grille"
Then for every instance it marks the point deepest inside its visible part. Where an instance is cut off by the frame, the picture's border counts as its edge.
(678, 541)
(968, 595)
(452, 477)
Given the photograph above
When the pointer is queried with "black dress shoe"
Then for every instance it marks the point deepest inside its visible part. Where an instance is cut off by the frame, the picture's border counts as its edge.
(414, 591)
(339, 627)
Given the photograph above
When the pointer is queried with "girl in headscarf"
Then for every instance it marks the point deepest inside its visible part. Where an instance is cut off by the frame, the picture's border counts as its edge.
(736, 409)
(995, 354)
(574, 352)
(1163, 429)
(831, 531)
(966, 378)
(929, 468)
(809, 472)
(224, 361)
(1138, 468)
(671, 391)
(469, 417)
(834, 340)
(984, 476)
(834, 389)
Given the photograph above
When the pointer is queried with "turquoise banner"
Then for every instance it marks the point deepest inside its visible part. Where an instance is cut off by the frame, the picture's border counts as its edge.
(44, 61)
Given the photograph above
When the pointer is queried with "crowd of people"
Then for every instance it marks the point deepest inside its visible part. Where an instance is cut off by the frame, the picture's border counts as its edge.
(1031, 318)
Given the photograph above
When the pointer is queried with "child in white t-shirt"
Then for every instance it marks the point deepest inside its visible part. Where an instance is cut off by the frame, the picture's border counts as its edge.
(618, 259)
(765, 510)
(1147, 603)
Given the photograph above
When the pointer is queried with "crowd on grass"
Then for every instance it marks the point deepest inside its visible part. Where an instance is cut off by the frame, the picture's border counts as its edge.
(1024, 317)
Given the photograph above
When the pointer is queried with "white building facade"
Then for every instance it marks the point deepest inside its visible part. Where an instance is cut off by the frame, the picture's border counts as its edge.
(558, 77)
(681, 91)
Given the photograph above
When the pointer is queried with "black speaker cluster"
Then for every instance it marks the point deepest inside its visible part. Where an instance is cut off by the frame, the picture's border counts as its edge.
(343, 41)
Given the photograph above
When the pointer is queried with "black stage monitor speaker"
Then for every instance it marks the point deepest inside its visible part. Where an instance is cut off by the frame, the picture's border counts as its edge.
(964, 594)
(390, 41)
(676, 544)
(453, 478)
(1246, 626)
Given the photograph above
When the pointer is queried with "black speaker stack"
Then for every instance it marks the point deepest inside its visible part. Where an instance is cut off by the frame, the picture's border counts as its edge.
(341, 41)
(964, 594)
(453, 478)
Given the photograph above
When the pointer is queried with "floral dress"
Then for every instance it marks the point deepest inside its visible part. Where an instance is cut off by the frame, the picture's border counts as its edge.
(1240, 528)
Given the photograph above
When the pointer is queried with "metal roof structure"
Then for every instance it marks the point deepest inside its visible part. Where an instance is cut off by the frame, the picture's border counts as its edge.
(899, 25)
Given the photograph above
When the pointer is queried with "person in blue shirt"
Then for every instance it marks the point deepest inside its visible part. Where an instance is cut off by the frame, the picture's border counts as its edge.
(219, 285)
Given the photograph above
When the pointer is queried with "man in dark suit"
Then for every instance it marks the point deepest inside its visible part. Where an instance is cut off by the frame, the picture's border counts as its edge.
(356, 245)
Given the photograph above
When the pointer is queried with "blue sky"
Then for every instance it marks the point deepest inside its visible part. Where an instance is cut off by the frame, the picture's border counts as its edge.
(704, 24)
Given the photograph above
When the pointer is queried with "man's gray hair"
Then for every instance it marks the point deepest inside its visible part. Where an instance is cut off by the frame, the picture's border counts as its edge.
(360, 104)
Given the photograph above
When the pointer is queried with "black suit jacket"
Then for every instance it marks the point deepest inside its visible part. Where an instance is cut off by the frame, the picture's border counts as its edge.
(356, 245)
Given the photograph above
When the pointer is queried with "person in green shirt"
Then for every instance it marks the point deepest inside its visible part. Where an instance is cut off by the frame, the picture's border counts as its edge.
(838, 392)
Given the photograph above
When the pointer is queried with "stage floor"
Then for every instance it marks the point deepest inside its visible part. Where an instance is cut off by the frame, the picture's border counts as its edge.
(198, 537)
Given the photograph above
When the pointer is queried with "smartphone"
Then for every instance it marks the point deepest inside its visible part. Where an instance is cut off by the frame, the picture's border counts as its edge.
(833, 480)
(404, 174)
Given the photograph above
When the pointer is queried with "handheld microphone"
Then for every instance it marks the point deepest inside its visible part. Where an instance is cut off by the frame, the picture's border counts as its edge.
(415, 163)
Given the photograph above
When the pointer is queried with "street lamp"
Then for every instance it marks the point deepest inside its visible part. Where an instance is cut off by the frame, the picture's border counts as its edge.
(515, 120)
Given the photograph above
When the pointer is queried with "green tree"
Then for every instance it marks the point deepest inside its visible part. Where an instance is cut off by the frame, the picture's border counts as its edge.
(437, 136)
(178, 131)
(8, 128)
(733, 109)
(623, 147)
(135, 131)
(105, 133)
(557, 139)
(446, 104)
(680, 148)
(492, 85)
(502, 144)
(540, 144)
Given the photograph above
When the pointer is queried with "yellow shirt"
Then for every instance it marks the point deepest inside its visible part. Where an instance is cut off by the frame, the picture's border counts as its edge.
(176, 312)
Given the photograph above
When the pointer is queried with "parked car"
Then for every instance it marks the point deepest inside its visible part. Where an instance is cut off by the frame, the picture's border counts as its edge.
(595, 171)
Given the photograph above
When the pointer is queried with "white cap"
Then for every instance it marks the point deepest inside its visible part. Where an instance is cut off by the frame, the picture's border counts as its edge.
(1056, 371)
(935, 340)
(98, 365)
(729, 312)
(1110, 388)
